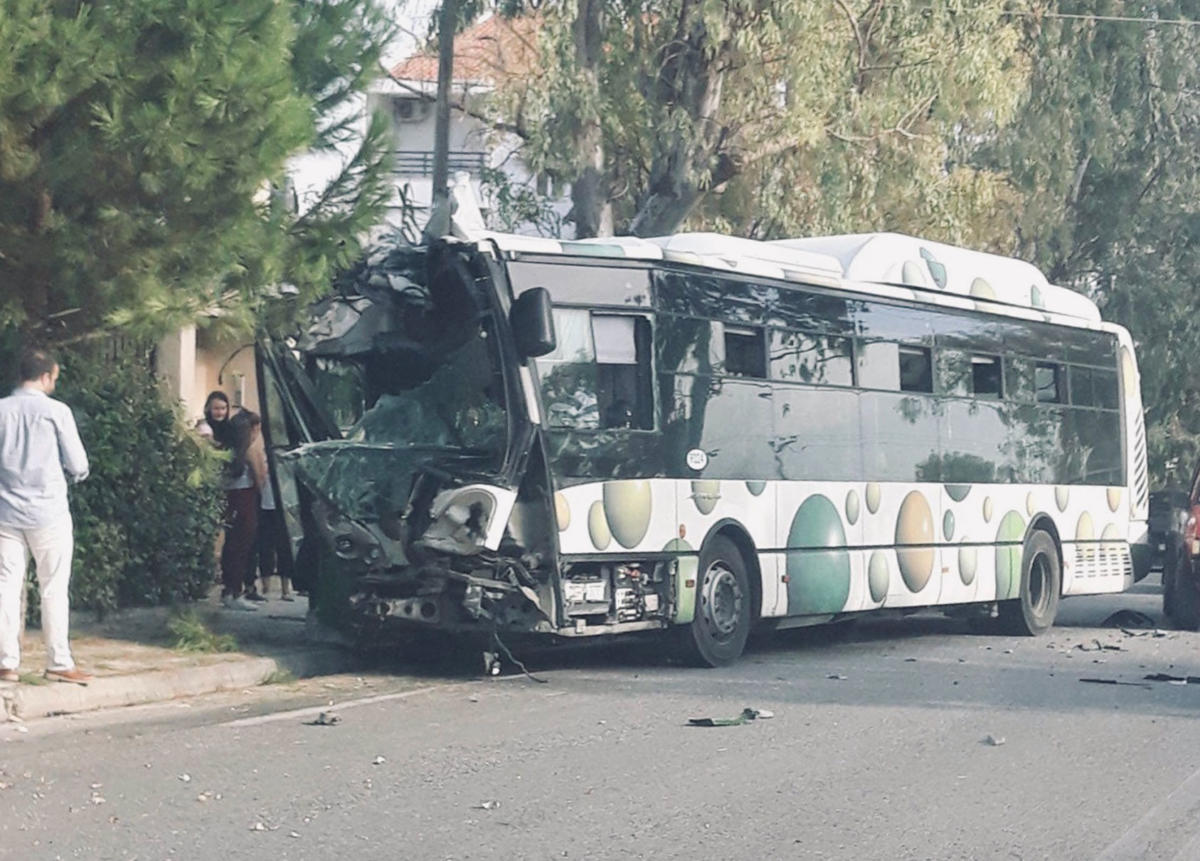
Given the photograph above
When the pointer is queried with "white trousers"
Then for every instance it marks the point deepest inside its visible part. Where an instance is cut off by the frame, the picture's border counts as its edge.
(51, 548)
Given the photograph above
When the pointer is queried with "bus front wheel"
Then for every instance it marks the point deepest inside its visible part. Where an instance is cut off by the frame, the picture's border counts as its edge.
(1033, 612)
(717, 634)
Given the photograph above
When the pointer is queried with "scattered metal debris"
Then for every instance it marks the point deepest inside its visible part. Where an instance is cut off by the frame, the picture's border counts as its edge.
(325, 719)
(1128, 619)
(490, 804)
(1116, 682)
(379, 760)
(1174, 680)
(994, 740)
(836, 676)
(1096, 646)
(748, 714)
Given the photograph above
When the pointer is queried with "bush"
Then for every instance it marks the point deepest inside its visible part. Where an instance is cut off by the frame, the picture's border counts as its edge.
(147, 517)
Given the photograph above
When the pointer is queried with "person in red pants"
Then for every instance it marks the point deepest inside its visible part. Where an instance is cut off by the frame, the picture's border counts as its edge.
(244, 479)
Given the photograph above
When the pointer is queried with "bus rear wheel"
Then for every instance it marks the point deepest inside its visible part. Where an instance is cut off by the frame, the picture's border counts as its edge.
(717, 634)
(1033, 612)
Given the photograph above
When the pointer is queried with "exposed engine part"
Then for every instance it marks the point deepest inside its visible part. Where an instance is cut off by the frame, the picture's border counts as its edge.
(627, 592)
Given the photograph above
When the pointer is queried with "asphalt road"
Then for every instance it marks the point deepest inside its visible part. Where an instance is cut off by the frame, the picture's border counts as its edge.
(878, 749)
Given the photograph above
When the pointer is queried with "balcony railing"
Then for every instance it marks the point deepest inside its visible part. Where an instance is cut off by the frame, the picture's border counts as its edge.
(407, 162)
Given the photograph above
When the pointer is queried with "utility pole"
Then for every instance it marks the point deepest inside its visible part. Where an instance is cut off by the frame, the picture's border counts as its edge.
(439, 213)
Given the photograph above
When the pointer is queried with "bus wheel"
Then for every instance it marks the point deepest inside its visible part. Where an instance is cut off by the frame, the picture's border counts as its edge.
(1041, 585)
(717, 634)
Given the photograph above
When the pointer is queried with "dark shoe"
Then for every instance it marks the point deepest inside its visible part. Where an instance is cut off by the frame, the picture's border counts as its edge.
(255, 597)
(286, 596)
(75, 676)
(10, 676)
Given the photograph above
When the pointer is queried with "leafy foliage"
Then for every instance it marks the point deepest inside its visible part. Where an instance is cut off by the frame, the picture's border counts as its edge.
(1104, 163)
(191, 633)
(147, 518)
(766, 118)
(138, 141)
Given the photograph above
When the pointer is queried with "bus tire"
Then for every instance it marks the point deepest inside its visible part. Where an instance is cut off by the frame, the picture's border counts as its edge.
(1033, 612)
(717, 634)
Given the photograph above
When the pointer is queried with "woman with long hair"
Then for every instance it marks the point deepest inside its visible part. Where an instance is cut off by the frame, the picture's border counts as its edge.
(217, 416)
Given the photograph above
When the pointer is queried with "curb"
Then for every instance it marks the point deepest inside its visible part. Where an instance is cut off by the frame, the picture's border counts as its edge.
(27, 702)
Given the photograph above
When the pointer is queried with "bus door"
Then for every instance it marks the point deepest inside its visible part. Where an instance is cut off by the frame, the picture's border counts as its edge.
(291, 418)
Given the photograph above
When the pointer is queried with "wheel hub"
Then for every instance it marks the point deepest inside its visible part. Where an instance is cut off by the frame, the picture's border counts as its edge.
(722, 600)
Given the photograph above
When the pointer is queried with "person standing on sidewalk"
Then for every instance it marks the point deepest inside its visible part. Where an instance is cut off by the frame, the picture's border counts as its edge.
(273, 554)
(241, 515)
(40, 451)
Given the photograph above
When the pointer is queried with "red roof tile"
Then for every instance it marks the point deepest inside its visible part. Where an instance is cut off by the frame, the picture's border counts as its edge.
(496, 48)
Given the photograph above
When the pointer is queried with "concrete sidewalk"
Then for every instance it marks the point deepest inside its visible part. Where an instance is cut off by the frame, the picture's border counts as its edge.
(134, 659)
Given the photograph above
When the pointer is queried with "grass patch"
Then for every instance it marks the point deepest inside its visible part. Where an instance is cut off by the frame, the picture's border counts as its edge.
(191, 633)
(280, 677)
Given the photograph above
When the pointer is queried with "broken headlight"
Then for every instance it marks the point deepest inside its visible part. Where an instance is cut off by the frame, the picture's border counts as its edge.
(461, 520)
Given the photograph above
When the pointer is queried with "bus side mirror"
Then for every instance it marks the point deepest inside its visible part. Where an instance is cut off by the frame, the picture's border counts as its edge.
(533, 323)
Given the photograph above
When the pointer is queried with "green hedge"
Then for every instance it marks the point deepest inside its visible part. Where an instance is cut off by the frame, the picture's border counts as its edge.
(147, 518)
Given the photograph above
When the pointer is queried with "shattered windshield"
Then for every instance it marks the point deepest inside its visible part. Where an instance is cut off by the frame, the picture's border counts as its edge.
(461, 405)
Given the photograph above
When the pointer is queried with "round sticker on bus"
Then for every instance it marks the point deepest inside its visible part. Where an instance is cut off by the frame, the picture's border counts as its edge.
(697, 458)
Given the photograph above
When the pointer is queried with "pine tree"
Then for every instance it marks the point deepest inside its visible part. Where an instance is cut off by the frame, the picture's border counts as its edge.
(139, 141)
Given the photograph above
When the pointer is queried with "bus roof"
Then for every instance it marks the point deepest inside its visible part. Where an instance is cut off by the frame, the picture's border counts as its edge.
(860, 262)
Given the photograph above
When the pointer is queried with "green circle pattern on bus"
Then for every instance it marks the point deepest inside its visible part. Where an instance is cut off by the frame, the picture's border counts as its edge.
(818, 579)
(1008, 555)
(706, 494)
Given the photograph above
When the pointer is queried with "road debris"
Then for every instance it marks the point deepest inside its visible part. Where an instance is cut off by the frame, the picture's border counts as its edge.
(994, 740)
(1116, 682)
(488, 805)
(836, 676)
(379, 760)
(1096, 646)
(1174, 680)
(258, 826)
(185, 777)
(1128, 619)
(748, 714)
(325, 719)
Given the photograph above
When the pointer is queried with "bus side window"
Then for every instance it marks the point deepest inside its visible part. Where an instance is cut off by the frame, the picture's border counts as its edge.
(623, 374)
(986, 381)
(916, 369)
(1049, 383)
(745, 352)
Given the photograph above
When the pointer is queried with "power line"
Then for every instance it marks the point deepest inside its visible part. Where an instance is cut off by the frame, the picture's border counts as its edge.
(1113, 19)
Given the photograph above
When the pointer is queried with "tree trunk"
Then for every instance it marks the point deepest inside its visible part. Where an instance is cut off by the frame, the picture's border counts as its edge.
(439, 210)
(591, 209)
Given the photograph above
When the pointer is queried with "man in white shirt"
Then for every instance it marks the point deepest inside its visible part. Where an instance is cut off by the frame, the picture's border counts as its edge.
(40, 451)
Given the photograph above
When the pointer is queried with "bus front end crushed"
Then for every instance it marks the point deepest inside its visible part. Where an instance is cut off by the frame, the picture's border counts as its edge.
(402, 446)
(437, 559)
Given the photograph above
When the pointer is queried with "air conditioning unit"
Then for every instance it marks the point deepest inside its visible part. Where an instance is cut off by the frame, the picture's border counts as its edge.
(411, 110)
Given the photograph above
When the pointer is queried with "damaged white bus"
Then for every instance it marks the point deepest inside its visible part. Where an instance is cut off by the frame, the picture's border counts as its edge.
(706, 434)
